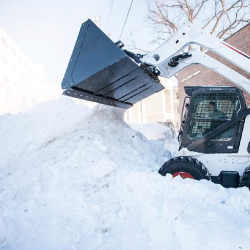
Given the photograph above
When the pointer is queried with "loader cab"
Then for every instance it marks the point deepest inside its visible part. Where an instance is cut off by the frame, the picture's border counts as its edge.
(205, 109)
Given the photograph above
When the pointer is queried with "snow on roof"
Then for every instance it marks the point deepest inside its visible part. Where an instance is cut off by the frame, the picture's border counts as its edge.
(72, 177)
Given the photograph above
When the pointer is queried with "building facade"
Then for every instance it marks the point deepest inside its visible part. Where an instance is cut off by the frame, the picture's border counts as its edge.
(160, 107)
(22, 83)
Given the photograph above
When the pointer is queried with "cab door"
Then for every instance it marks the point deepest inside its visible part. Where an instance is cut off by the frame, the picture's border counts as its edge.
(202, 119)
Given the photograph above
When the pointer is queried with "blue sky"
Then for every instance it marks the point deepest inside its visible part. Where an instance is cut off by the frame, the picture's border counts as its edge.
(46, 30)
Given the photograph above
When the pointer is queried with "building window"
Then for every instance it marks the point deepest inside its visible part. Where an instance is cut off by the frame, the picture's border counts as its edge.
(127, 115)
(4, 42)
(6, 79)
(5, 61)
(177, 95)
(24, 101)
(7, 99)
(13, 52)
(141, 109)
(14, 68)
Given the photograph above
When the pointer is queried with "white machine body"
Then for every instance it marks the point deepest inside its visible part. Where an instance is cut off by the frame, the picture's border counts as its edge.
(190, 34)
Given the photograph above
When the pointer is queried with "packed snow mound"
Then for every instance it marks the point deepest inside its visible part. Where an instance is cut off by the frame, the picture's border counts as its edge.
(150, 130)
(158, 134)
(78, 178)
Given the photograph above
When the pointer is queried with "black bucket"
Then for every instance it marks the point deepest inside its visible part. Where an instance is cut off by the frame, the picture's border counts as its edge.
(99, 71)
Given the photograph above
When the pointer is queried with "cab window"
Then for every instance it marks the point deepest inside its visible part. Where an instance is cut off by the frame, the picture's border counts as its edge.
(209, 111)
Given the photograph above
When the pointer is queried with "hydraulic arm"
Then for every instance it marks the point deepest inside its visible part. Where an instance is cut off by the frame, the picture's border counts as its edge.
(193, 35)
(198, 57)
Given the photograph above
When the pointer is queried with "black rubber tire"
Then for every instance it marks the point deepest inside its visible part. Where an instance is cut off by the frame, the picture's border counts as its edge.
(187, 165)
(245, 180)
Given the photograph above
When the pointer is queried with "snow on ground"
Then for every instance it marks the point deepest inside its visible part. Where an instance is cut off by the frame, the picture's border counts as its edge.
(158, 132)
(78, 178)
(150, 130)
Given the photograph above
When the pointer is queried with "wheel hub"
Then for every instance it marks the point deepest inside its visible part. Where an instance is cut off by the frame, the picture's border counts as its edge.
(184, 175)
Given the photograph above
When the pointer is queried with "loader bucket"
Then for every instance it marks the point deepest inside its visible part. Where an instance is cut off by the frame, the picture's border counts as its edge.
(100, 71)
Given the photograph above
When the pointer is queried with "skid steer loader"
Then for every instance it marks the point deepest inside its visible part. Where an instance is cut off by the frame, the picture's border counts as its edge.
(214, 138)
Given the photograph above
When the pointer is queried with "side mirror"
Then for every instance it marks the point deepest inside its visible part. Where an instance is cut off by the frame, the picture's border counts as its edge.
(180, 136)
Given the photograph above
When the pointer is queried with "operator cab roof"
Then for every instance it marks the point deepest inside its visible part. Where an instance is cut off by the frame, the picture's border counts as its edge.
(191, 90)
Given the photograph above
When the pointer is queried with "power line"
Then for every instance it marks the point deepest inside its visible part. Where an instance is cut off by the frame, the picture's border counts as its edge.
(126, 19)
(110, 11)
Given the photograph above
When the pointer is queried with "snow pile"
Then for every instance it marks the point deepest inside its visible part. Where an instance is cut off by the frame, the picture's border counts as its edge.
(157, 132)
(150, 130)
(78, 178)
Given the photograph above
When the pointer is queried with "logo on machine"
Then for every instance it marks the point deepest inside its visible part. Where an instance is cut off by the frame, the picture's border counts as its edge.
(215, 89)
